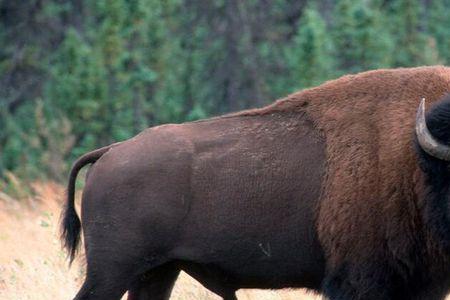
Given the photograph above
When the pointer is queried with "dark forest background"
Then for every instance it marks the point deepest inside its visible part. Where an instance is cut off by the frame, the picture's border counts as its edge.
(76, 75)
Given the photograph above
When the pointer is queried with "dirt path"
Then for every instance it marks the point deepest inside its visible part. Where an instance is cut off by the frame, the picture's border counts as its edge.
(33, 266)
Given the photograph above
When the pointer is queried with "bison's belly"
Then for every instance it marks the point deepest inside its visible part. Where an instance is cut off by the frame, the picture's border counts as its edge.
(287, 260)
(282, 254)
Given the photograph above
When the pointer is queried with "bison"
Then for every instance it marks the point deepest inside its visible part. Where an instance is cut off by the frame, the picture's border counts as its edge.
(340, 189)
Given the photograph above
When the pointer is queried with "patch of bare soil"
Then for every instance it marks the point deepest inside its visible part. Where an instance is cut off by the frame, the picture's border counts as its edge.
(33, 266)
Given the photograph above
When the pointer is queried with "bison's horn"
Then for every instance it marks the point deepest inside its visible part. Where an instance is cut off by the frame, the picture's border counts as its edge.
(428, 143)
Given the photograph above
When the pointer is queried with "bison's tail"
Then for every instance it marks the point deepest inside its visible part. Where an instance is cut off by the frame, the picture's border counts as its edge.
(70, 222)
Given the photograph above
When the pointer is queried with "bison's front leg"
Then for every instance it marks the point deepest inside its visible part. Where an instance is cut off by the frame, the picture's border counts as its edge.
(374, 281)
(431, 292)
(358, 284)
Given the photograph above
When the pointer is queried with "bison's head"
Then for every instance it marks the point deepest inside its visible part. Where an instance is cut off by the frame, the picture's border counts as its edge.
(433, 140)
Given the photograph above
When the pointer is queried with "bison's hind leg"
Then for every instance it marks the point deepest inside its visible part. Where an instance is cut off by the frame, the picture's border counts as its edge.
(155, 284)
(106, 283)
(109, 277)
(114, 264)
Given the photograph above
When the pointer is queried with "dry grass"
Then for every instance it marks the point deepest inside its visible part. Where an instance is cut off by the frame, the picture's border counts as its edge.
(33, 266)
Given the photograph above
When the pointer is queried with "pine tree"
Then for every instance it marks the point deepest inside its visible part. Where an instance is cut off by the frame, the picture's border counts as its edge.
(439, 25)
(78, 89)
(413, 46)
(362, 41)
(310, 55)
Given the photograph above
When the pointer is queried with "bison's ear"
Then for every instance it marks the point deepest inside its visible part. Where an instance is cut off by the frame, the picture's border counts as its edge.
(424, 137)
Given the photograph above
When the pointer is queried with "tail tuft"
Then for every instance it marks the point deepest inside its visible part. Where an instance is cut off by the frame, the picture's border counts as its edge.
(71, 227)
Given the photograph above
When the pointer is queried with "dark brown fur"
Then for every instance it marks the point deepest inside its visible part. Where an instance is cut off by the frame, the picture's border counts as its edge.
(321, 189)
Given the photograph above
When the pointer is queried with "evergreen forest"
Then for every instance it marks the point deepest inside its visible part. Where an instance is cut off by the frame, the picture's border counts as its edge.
(76, 75)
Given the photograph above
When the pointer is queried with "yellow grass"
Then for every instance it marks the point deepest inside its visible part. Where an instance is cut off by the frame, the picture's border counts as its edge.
(33, 266)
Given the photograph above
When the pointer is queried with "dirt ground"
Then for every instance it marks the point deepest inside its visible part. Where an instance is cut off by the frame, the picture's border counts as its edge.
(33, 266)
